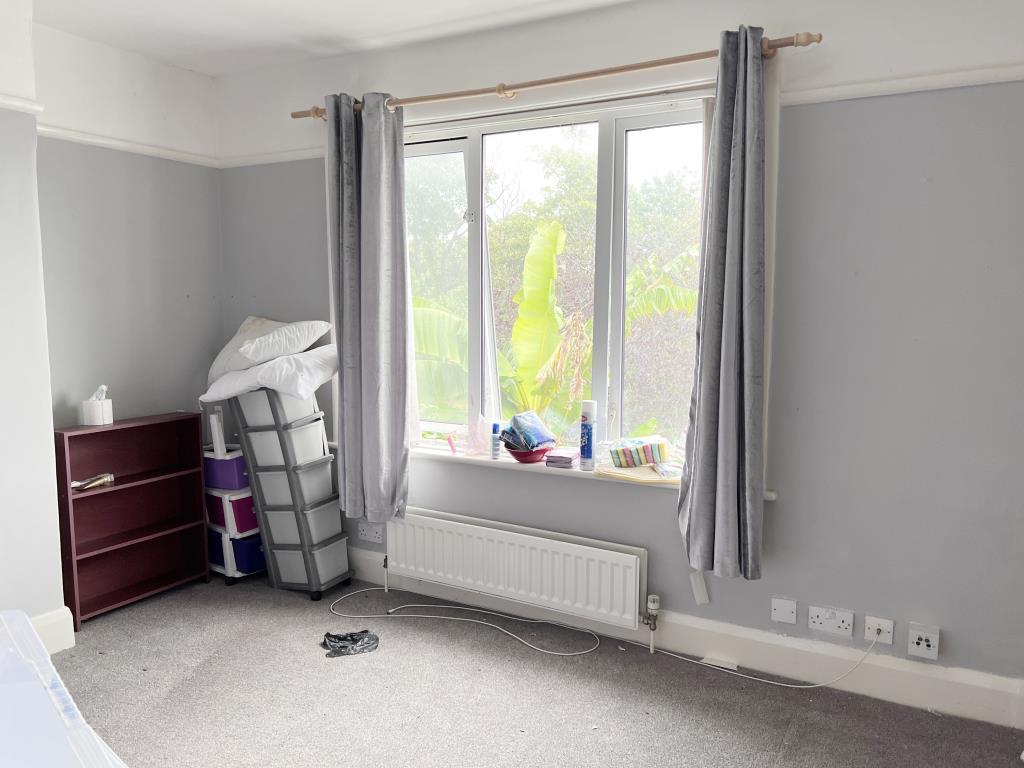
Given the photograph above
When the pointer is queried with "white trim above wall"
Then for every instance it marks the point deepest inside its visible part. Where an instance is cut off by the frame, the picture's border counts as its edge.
(165, 153)
(20, 104)
(933, 82)
(267, 158)
(949, 690)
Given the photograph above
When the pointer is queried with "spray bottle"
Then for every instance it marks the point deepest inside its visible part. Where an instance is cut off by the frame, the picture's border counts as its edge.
(588, 414)
(495, 440)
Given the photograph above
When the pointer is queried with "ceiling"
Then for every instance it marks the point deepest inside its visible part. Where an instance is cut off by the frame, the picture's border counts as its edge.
(221, 36)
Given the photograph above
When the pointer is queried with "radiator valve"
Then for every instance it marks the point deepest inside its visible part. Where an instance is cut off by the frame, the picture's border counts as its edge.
(653, 606)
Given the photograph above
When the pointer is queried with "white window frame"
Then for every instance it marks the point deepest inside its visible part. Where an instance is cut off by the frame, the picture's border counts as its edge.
(614, 120)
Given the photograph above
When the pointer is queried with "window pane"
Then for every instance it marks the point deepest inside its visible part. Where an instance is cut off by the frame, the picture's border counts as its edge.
(663, 177)
(540, 189)
(435, 204)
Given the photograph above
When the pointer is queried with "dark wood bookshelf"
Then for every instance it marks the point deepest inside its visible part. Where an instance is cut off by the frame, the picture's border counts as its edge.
(146, 532)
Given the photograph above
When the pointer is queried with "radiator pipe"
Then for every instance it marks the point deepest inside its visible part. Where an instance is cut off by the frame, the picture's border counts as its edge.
(651, 618)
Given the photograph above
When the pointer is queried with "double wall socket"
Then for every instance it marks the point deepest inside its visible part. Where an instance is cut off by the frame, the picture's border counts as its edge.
(371, 532)
(835, 621)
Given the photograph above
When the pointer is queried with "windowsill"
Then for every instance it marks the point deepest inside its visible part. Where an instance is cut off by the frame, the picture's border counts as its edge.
(507, 463)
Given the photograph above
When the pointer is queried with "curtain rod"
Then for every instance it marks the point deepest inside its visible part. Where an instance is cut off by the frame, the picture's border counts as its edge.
(509, 91)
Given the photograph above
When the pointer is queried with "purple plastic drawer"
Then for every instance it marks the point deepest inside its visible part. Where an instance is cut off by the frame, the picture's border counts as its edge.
(235, 557)
(231, 510)
(228, 472)
(249, 554)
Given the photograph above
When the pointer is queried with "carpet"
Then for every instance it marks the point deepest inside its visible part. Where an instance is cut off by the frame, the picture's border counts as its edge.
(216, 677)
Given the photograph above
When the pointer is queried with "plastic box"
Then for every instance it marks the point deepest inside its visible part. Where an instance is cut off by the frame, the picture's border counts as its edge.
(235, 557)
(324, 522)
(256, 408)
(317, 482)
(249, 554)
(228, 472)
(41, 724)
(330, 562)
(232, 510)
(307, 443)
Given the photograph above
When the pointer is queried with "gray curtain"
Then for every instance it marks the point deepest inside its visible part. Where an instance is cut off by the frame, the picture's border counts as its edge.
(370, 304)
(721, 498)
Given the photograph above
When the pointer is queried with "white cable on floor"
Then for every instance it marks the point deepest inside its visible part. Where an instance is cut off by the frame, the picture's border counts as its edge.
(392, 615)
(597, 640)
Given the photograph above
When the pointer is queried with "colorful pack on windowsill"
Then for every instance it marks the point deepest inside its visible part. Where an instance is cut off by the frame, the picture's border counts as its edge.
(526, 432)
(639, 451)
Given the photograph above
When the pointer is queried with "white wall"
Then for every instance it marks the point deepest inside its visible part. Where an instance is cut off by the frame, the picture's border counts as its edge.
(97, 94)
(30, 565)
(871, 47)
(17, 77)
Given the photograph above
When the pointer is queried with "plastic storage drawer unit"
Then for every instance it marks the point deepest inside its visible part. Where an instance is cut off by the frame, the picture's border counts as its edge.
(249, 554)
(330, 561)
(235, 557)
(227, 472)
(256, 408)
(316, 480)
(324, 522)
(307, 443)
(232, 510)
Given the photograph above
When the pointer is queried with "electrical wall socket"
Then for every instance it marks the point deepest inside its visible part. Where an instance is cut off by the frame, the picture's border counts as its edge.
(371, 532)
(923, 641)
(871, 626)
(832, 620)
(784, 610)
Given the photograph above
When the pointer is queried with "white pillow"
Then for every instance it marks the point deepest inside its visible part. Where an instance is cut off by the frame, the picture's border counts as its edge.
(296, 375)
(286, 340)
(229, 358)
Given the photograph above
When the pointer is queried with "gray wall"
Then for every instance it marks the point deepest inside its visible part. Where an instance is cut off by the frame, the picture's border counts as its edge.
(274, 246)
(895, 417)
(896, 413)
(131, 256)
(30, 572)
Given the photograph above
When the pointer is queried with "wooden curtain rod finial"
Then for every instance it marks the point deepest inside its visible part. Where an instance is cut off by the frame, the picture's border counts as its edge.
(770, 46)
(801, 39)
(317, 112)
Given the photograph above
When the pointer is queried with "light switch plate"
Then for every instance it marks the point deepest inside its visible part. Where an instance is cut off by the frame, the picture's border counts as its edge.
(784, 610)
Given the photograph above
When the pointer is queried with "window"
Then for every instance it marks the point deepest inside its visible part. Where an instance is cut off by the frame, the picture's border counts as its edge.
(540, 198)
(438, 237)
(551, 253)
(663, 169)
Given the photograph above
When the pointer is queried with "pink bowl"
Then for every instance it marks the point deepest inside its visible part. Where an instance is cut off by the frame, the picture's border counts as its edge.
(529, 457)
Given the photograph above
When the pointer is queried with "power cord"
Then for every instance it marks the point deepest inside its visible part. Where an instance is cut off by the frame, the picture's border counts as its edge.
(392, 614)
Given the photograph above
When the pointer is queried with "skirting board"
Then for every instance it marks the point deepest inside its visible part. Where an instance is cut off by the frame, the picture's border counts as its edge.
(56, 629)
(953, 691)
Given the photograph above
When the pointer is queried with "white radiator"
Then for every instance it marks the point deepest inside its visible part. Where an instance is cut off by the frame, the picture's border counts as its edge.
(590, 579)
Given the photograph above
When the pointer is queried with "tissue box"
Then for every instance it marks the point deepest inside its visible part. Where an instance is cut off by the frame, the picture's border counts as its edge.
(96, 413)
(226, 472)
